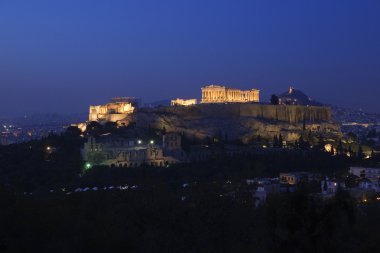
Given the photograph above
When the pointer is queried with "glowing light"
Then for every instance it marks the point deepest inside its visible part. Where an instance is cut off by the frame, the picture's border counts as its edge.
(139, 141)
(151, 142)
(88, 166)
(328, 147)
(48, 148)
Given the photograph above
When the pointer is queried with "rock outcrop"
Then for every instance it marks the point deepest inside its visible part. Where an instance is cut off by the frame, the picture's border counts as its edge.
(240, 121)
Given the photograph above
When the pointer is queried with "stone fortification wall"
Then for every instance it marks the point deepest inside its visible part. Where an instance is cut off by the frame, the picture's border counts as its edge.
(285, 113)
(291, 114)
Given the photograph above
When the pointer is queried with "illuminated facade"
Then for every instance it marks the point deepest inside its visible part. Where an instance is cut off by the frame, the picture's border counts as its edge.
(293, 178)
(117, 151)
(183, 102)
(115, 111)
(222, 94)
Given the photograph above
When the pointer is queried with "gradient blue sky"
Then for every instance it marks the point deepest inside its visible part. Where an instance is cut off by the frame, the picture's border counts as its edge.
(62, 56)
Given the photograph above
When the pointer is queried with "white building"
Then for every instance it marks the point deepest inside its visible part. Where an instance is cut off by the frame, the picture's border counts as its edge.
(372, 174)
(265, 187)
(367, 184)
(330, 186)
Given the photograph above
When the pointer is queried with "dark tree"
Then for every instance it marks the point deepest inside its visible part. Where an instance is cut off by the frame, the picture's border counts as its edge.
(259, 139)
(274, 100)
(110, 126)
(275, 141)
(350, 150)
(94, 128)
(351, 181)
(340, 148)
(325, 185)
(352, 137)
(361, 153)
(73, 131)
(304, 123)
(304, 145)
(280, 141)
(310, 136)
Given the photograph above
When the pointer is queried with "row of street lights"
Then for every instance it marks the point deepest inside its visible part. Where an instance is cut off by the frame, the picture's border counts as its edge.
(140, 142)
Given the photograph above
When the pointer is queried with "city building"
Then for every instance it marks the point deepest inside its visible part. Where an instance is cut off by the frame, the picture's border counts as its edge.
(330, 186)
(294, 178)
(366, 184)
(372, 174)
(118, 151)
(265, 187)
(183, 102)
(222, 94)
(116, 110)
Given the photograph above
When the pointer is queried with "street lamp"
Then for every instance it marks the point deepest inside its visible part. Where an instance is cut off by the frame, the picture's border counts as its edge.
(88, 166)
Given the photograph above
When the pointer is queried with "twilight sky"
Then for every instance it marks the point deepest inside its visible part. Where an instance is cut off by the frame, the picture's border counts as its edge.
(63, 55)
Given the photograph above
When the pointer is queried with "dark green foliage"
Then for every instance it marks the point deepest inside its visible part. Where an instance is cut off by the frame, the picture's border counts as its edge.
(351, 181)
(31, 165)
(155, 219)
(304, 145)
(275, 141)
(340, 149)
(161, 215)
(360, 153)
(352, 137)
(110, 127)
(274, 100)
(94, 128)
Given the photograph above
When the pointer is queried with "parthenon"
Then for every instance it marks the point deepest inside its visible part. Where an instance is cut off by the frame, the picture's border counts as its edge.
(222, 94)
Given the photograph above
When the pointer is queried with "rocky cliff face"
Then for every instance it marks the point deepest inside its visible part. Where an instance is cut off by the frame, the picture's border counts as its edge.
(240, 121)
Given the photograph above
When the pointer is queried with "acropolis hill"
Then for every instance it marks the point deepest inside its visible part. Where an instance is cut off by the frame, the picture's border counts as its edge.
(236, 114)
(239, 121)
